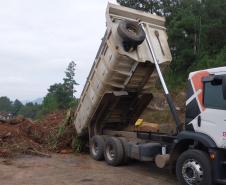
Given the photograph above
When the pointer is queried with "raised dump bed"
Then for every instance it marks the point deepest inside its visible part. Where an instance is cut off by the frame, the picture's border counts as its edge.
(123, 69)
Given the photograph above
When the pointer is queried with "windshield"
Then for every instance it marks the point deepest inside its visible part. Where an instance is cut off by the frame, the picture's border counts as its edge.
(213, 96)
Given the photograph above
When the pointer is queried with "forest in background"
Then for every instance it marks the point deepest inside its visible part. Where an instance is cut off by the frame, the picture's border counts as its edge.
(196, 31)
(197, 40)
(59, 96)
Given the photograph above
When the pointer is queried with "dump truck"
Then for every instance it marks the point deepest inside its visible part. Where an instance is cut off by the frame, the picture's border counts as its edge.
(131, 58)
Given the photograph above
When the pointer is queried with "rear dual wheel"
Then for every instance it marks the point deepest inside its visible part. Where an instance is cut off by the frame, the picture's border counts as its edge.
(97, 148)
(112, 149)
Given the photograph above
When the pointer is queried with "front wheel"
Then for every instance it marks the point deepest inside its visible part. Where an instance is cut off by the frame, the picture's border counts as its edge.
(194, 168)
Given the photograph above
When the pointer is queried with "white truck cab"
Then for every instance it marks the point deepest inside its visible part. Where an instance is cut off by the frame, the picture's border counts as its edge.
(206, 106)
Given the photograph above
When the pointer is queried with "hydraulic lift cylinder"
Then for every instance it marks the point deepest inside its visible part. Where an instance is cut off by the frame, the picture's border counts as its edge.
(168, 97)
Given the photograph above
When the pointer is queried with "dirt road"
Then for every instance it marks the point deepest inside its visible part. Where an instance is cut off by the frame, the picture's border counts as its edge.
(80, 169)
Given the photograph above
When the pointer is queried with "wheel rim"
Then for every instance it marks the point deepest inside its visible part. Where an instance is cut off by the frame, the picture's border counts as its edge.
(132, 30)
(192, 172)
(110, 152)
(95, 148)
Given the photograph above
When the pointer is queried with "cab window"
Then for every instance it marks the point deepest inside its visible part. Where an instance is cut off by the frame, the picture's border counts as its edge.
(213, 96)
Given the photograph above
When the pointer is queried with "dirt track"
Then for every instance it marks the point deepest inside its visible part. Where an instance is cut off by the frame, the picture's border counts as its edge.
(80, 169)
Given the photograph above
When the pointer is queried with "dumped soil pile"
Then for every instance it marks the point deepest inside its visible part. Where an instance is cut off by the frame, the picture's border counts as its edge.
(20, 136)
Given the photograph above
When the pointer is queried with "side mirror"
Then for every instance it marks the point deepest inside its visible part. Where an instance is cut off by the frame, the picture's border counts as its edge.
(224, 86)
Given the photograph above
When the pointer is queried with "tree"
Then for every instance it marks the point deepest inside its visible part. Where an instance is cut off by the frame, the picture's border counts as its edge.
(69, 81)
(60, 96)
(29, 110)
(16, 107)
(151, 6)
(49, 104)
(63, 93)
(5, 104)
(196, 30)
(206, 62)
(181, 39)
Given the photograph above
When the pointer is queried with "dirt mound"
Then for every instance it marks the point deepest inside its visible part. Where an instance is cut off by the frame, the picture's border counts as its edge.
(23, 136)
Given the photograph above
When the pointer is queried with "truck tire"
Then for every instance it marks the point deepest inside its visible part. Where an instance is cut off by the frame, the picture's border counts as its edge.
(113, 151)
(131, 32)
(124, 143)
(97, 148)
(194, 167)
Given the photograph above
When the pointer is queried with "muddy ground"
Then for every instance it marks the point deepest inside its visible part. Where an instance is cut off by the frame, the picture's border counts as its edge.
(79, 169)
(56, 133)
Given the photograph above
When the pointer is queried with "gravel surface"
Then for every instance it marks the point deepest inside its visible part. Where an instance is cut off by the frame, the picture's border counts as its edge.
(69, 169)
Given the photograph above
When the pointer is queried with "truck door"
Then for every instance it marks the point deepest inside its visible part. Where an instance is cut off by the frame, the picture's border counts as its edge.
(212, 119)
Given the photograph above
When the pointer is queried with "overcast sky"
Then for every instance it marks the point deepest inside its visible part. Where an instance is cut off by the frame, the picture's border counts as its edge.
(39, 38)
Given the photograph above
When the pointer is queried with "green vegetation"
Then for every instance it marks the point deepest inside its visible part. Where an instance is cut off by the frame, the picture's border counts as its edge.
(60, 95)
(5, 104)
(77, 145)
(67, 134)
(16, 108)
(61, 130)
(29, 110)
(17, 105)
(196, 31)
(197, 40)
